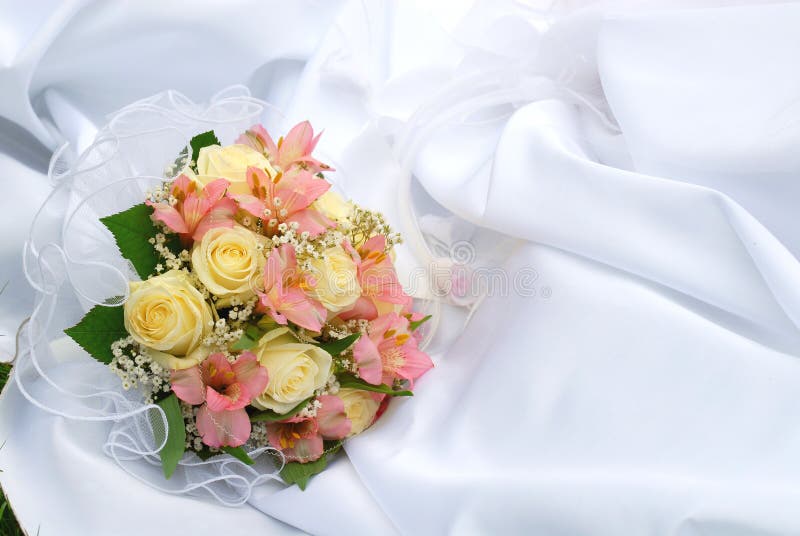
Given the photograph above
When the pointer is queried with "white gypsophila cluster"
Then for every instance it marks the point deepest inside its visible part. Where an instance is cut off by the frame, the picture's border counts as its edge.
(365, 223)
(222, 336)
(171, 261)
(241, 311)
(287, 234)
(194, 440)
(306, 247)
(317, 246)
(310, 410)
(331, 386)
(357, 325)
(258, 435)
(159, 194)
(137, 370)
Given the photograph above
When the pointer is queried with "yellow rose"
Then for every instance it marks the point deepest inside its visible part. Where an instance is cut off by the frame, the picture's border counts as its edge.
(336, 280)
(231, 163)
(170, 317)
(295, 369)
(228, 262)
(360, 407)
(331, 205)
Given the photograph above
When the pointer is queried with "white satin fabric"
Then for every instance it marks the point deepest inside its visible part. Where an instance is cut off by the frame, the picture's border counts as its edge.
(638, 163)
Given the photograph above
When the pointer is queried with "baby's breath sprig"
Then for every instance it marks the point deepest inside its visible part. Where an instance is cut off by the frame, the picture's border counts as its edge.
(171, 260)
(365, 224)
(137, 370)
(160, 194)
(222, 336)
(194, 441)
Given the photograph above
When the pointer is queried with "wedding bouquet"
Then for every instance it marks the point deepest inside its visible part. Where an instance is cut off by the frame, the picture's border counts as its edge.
(268, 314)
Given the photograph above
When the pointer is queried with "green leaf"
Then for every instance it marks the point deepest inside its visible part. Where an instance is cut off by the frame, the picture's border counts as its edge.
(351, 382)
(417, 323)
(301, 473)
(338, 346)
(239, 454)
(245, 343)
(100, 327)
(249, 339)
(271, 416)
(132, 230)
(202, 140)
(267, 323)
(173, 450)
(205, 453)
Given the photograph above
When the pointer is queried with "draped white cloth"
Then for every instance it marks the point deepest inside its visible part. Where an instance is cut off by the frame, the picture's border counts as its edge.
(629, 167)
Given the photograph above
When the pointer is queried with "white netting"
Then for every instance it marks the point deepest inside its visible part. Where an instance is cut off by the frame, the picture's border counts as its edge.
(72, 262)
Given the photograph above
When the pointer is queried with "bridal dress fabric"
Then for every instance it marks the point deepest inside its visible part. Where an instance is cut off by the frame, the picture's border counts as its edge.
(618, 182)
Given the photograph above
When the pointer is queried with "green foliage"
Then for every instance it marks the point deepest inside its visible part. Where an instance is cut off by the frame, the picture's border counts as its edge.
(5, 373)
(271, 416)
(301, 473)
(252, 334)
(132, 230)
(417, 323)
(175, 446)
(338, 346)
(8, 524)
(100, 327)
(351, 382)
(239, 454)
(202, 140)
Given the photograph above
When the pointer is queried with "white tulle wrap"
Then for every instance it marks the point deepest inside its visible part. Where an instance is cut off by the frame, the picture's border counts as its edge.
(73, 263)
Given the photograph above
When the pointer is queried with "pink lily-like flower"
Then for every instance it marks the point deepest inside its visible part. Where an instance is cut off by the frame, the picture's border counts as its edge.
(389, 351)
(284, 295)
(378, 279)
(197, 209)
(224, 390)
(294, 150)
(300, 439)
(285, 198)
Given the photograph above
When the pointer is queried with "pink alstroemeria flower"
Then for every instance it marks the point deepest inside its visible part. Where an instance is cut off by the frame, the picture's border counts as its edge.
(197, 209)
(294, 150)
(300, 439)
(284, 295)
(285, 198)
(378, 280)
(224, 390)
(389, 351)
